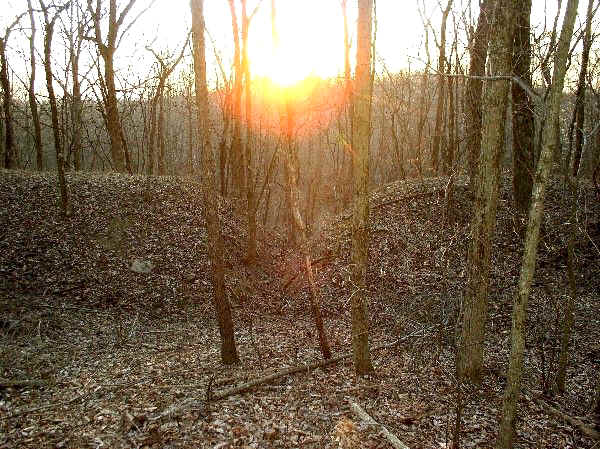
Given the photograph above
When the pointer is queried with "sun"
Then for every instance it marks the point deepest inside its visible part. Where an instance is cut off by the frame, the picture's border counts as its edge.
(310, 43)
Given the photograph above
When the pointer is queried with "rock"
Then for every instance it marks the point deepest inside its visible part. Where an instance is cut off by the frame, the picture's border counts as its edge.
(141, 266)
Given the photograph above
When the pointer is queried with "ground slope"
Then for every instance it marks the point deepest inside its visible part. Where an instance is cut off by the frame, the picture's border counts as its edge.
(112, 349)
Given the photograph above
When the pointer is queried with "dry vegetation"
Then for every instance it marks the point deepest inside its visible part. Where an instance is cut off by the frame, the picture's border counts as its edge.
(95, 355)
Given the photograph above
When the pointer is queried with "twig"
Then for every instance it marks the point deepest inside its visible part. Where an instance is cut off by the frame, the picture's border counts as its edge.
(393, 439)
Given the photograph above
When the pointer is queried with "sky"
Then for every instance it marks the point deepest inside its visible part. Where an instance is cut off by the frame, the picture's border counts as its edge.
(311, 33)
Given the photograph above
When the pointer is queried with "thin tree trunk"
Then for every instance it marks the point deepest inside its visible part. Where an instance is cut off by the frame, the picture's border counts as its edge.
(569, 309)
(474, 307)
(441, 94)
(236, 156)
(536, 210)
(473, 115)
(48, 35)
(294, 198)
(361, 134)
(579, 115)
(211, 212)
(9, 140)
(35, 117)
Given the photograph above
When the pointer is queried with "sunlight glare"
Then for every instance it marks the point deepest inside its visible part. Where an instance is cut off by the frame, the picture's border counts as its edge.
(310, 44)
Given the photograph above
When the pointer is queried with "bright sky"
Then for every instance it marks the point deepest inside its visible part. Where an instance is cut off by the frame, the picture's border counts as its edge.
(311, 34)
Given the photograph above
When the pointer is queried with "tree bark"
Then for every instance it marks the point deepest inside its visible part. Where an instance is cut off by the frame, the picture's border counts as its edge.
(523, 125)
(211, 212)
(473, 115)
(361, 134)
(474, 307)
(536, 210)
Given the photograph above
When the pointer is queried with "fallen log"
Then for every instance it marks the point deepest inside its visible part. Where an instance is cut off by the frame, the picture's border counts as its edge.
(392, 439)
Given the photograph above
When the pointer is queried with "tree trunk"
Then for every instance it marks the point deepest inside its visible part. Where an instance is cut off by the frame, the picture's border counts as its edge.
(536, 210)
(211, 212)
(35, 117)
(473, 116)
(113, 120)
(523, 126)
(579, 115)
(441, 94)
(236, 156)
(251, 203)
(48, 35)
(569, 309)
(9, 140)
(361, 134)
(294, 199)
(474, 307)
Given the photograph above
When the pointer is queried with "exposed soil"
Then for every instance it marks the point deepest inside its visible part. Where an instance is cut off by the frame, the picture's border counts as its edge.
(108, 352)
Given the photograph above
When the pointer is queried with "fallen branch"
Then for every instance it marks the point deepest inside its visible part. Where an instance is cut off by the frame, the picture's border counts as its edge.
(7, 383)
(580, 425)
(392, 439)
(307, 368)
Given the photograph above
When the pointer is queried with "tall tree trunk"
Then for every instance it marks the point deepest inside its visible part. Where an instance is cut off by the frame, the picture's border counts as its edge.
(60, 160)
(113, 119)
(35, 117)
(236, 156)
(579, 115)
(441, 94)
(9, 139)
(211, 211)
(160, 135)
(76, 111)
(294, 199)
(473, 115)
(569, 307)
(251, 203)
(536, 210)
(474, 307)
(523, 126)
(361, 134)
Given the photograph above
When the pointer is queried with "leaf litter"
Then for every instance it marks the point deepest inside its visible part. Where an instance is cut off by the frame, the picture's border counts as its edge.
(128, 359)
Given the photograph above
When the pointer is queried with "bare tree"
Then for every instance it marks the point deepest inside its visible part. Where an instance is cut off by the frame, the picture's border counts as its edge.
(210, 196)
(33, 106)
(107, 46)
(361, 133)
(60, 160)
(165, 69)
(10, 158)
(474, 306)
(578, 121)
(441, 94)
(536, 211)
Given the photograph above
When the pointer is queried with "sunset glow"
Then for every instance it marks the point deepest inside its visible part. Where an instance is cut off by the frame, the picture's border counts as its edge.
(308, 44)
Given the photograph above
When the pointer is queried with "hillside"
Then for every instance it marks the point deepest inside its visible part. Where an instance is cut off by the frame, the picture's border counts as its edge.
(108, 350)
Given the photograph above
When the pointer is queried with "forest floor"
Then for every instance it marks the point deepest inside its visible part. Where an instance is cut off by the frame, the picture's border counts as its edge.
(93, 354)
